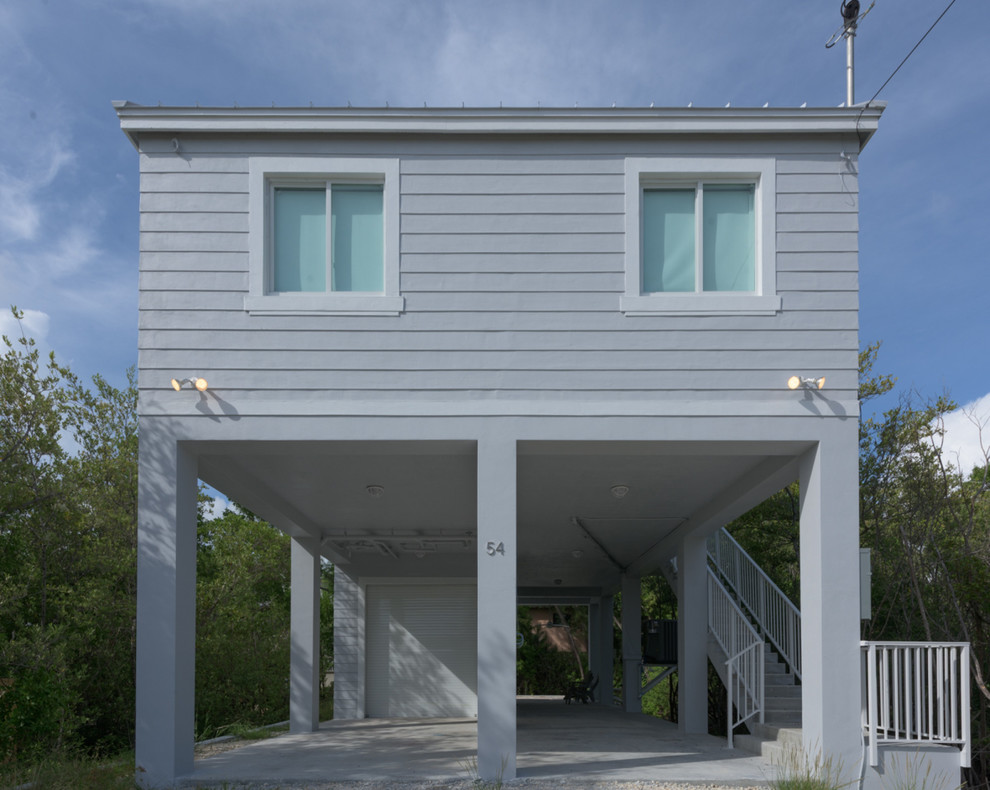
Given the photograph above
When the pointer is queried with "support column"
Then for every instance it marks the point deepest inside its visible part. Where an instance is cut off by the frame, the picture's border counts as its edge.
(606, 650)
(497, 609)
(692, 636)
(166, 608)
(830, 597)
(348, 646)
(594, 639)
(632, 644)
(304, 661)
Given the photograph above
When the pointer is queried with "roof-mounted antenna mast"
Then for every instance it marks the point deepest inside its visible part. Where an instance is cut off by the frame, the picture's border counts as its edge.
(850, 20)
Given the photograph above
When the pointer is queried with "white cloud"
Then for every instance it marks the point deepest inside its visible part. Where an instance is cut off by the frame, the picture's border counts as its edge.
(967, 435)
(35, 324)
(217, 507)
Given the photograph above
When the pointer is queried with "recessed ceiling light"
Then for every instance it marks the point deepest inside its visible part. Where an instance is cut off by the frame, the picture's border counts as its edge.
(620, 491)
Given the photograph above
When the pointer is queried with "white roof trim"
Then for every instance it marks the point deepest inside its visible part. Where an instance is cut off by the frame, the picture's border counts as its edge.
(862, 120)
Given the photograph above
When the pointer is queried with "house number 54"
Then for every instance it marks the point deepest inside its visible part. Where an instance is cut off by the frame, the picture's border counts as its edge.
(494, 548)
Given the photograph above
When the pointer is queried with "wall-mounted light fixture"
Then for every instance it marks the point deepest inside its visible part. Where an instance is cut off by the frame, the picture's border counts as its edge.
(375, 491)
(619, 491)
(193, 381)
(806, 381)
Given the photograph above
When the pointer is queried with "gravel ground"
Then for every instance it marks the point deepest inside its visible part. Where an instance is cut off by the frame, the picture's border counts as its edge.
(469, 784)
(223, 745)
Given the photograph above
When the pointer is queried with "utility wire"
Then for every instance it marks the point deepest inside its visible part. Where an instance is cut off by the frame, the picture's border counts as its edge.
(909, 54)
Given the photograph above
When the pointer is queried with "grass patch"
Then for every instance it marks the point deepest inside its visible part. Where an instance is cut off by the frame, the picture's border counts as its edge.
(799, 772)
(73, 773)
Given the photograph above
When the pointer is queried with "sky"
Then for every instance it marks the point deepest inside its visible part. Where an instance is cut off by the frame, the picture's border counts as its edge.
(69, 177)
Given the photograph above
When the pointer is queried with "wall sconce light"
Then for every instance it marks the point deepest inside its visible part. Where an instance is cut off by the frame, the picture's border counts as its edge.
(193, 381)
(375, 491)
(806, 381)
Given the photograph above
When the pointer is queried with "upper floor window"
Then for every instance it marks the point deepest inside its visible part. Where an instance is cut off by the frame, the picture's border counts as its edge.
(700, 237)
(302, 258)
(324, 236)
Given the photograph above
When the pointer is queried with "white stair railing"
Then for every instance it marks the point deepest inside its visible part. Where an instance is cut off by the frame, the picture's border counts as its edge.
(744, 648)
(776, 617)
(917, 693)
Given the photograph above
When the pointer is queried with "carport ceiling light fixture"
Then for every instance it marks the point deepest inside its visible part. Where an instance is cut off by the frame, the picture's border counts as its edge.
(619, 491)
(375, 491)
(193, 381)
(806, 381)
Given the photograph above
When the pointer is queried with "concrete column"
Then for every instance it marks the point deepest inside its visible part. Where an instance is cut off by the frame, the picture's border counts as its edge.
(692, 636)
(304, 660)
(594, 639)
(606, 657)
(166, 607)
(496, 609)
(830, 597)
(632, 644)
(348, 646)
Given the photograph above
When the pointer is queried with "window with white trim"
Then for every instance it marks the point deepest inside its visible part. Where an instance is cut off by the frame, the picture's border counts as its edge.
(324, 236)
(700, 237)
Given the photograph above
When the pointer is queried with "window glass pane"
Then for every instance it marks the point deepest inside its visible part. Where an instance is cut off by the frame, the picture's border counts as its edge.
(300, 262)
(357, 235)
(668, 240)
(729, 239)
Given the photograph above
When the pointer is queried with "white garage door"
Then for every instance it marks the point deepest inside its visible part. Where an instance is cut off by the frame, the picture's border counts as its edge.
(421, 650)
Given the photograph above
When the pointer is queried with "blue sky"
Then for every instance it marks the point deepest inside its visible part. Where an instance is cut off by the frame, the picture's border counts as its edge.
(68, 177)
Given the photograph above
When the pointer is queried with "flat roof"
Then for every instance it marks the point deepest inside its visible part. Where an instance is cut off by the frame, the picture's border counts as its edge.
(861, 120)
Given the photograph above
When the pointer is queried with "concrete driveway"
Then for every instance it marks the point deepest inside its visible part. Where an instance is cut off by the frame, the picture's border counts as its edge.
(553, 741)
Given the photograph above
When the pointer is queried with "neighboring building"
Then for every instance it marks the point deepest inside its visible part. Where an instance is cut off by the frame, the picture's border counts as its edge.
(476, 357)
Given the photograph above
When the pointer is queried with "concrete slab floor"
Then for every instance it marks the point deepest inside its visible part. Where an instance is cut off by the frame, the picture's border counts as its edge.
(554, 740)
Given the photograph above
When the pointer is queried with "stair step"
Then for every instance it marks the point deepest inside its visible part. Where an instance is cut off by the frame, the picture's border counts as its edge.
(782, 692)
(778, 679)
(771, 751)
(783, 720)
(786, 735)
(783, 705)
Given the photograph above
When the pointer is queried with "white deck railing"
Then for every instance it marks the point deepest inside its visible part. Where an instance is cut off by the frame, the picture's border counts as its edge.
(916, 693)
(776, 617)
(744, 649)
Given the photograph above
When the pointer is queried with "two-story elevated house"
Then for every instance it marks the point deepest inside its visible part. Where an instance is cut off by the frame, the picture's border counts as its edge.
(478, 357)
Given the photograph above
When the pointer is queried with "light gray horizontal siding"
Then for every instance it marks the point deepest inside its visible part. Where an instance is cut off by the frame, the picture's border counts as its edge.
(514, 242)
(398, 382)
(211, 318)
(488, 262)
(546, 184)
(453, 204)
(512, 256)
(194, 221)
(569, 223)
(374, 361)
(182, 202)
(532, 340)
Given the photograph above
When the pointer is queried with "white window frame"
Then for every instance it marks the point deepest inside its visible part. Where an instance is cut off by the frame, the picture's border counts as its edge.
(659, 172)
(267, 173)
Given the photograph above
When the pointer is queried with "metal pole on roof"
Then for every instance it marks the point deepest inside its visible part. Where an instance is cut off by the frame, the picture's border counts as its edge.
(850, 62)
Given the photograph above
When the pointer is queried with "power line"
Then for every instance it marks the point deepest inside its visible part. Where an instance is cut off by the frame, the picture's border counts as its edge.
(909, 54)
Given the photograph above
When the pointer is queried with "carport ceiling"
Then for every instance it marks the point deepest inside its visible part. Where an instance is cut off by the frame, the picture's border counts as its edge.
(573, 530)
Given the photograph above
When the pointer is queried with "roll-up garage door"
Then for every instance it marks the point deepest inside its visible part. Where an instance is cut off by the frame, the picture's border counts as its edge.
(421, 650)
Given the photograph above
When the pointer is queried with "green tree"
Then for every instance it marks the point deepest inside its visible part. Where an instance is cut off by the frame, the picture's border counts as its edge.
(67, 525)
(242, 623)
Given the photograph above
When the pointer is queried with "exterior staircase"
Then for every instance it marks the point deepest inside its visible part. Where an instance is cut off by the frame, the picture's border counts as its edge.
(914, 693)
(781, 726)
(777, 623)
